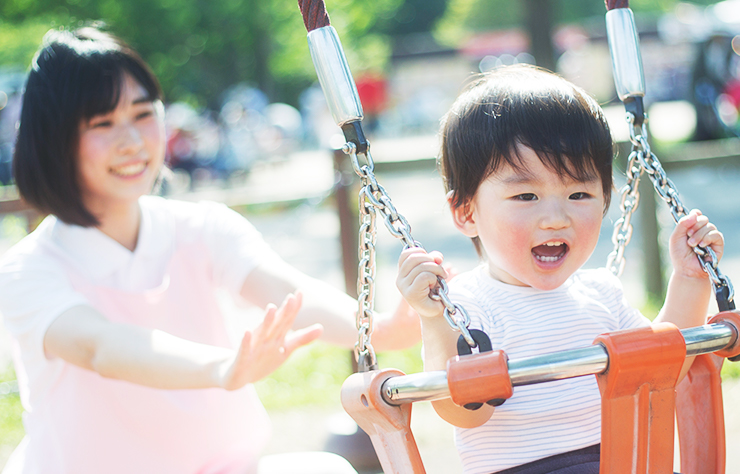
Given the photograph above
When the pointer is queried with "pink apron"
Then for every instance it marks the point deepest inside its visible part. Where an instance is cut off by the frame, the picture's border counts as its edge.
(95, 425)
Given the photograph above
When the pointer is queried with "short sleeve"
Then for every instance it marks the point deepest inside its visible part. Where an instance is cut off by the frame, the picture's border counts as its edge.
(34, 291)
(236, 246)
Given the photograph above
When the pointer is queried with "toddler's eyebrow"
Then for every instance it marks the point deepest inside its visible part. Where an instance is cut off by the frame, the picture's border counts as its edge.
(518, 178)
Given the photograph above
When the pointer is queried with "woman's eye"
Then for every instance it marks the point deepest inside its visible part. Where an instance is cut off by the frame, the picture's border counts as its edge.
(101, 124)
(143, 115)
(525, 197)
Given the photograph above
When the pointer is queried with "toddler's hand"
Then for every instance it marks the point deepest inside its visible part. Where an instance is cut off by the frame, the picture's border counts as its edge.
(263, 350)
(417, 275)
(693, 229)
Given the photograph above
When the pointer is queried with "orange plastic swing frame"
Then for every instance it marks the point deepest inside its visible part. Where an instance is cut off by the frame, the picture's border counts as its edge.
(639, 401)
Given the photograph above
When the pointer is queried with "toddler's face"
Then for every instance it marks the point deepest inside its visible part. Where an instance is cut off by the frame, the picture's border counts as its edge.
(536, 227)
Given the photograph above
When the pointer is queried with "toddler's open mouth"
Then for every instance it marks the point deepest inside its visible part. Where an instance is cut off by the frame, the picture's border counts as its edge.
(550, 252)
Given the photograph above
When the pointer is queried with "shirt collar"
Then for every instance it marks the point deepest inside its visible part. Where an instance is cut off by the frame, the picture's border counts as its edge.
(100, 256)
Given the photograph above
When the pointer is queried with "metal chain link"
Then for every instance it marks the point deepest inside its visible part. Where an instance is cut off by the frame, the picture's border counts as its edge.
(643, 159)
(364, 352)
(374, 199)
(623, 226)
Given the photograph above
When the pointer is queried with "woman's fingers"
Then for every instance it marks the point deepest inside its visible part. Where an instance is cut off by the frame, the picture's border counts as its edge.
(301, 337)
(285, 316)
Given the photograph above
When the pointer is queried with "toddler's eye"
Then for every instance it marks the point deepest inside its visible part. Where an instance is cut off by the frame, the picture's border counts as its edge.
(579, 196)
(144, 115)
(525, 197)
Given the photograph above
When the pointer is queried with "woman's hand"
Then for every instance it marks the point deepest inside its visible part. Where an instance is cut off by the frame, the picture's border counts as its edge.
(265, 348)
(417, 275)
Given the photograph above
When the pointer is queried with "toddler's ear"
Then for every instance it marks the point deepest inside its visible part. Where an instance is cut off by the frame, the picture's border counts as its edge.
(462, 217)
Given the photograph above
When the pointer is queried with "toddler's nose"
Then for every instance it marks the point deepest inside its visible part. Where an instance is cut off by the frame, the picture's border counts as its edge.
(554, 216)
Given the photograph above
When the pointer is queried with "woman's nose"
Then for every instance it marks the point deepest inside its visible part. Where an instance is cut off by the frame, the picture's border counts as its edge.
(130, 139)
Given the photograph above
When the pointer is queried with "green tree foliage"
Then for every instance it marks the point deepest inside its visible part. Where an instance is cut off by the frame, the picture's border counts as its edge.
(414, 16)
(198, 48)
(463, 17)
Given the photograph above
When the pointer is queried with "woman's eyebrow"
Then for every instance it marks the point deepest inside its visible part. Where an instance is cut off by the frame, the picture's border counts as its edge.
(143, 100)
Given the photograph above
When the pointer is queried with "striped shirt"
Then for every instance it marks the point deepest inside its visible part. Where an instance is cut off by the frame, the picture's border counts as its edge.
(545, 419)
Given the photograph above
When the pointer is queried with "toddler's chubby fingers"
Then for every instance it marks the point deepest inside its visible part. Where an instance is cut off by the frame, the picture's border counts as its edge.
(687, 222)
(417, 260)
(701, 234)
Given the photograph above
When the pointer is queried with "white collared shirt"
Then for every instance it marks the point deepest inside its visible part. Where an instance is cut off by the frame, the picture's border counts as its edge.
(35, 286)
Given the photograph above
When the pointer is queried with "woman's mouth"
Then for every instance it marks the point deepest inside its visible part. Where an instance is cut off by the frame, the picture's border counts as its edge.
(550, 252)
(130, 169)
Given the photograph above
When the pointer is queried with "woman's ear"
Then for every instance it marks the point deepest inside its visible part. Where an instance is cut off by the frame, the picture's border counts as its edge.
(462, 217)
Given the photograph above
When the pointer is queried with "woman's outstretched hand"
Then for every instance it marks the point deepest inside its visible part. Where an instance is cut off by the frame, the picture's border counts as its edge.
(266, 347)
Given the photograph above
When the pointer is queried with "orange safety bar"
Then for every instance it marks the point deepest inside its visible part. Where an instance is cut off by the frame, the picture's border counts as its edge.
(638, 392)
(699, 409)
(388, 426)
(638, 398)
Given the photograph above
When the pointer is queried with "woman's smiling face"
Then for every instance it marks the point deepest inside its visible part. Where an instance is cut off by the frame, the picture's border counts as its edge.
(120, 153)
(536, 227)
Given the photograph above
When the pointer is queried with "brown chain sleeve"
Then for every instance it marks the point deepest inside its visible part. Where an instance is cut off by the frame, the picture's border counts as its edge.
(612, 4)
(314, 14)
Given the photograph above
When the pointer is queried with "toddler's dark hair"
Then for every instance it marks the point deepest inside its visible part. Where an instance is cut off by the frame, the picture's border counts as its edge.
(523, 105)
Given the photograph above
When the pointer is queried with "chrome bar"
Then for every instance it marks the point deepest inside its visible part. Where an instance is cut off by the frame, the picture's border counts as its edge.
(708, 338)
(423, 386)
(558, 365)
(624, 45)
(334, 75)
(594, 359)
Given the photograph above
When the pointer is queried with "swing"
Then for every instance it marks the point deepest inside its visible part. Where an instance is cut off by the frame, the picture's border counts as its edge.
(636, 369)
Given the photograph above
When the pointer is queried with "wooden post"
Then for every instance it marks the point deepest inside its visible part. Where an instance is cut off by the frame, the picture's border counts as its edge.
(539, 27)
(348, 223)
(652, 259)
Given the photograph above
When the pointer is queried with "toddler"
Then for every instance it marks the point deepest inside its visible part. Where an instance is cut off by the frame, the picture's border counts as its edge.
(527, 162)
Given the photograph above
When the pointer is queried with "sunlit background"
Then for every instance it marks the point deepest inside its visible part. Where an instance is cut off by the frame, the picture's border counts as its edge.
(248, 125)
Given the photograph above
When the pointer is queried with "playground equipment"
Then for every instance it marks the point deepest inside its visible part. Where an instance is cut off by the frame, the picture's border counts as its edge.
(636, 369)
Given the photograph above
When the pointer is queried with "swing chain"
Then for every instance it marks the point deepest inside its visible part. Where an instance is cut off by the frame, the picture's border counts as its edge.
(364, 352)
(623, 226)
(665, 188)
(459, 323)
(373, 198)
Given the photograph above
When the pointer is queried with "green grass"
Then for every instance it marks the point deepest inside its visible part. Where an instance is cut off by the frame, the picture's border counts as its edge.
(731, 370)
(11, 426)
(314, 375)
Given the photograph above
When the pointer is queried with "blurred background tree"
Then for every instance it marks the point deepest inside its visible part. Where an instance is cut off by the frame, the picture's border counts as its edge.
(199, 48)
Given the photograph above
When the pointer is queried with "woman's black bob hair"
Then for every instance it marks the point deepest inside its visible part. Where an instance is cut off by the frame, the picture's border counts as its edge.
(75, 75)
